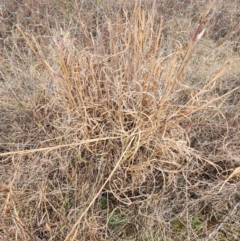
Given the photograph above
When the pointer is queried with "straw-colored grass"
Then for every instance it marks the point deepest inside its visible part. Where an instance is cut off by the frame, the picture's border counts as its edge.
(119, 121)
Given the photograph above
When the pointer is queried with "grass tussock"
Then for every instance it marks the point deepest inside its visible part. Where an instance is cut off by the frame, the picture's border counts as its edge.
(119, 120)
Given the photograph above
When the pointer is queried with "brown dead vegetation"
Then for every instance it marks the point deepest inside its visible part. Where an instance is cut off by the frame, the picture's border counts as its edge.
(119, 121)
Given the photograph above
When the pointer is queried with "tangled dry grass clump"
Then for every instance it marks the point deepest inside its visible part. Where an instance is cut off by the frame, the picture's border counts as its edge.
(119, 121)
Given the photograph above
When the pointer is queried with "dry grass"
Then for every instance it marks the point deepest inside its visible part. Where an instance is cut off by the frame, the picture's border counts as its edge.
(119, 121)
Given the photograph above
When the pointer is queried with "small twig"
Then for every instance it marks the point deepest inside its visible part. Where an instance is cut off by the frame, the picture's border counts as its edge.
(215, 231)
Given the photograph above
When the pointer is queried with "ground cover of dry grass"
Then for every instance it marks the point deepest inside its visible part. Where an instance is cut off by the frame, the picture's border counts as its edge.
(119, 120)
